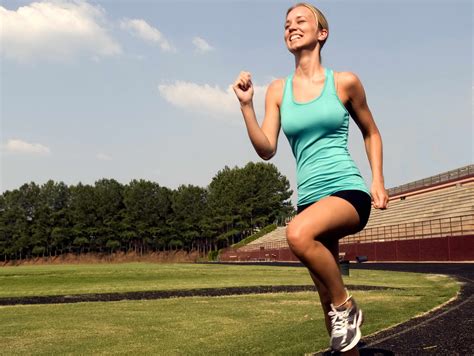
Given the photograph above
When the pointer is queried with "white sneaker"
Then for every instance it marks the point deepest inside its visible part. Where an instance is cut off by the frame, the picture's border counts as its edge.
(345, 322)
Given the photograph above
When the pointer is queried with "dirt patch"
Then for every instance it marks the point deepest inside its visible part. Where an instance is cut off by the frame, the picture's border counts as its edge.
(118, 257)
(201, 292)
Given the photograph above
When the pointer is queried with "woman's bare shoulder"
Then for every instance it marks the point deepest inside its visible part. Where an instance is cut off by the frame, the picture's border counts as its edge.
(277, 84)
(275, 89)
(346, 79)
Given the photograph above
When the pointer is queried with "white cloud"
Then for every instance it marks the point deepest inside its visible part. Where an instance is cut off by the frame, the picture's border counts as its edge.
(202, 45)
(55, 30)
(213, 101)
(19, 146)
(103, 157)
(141, 29)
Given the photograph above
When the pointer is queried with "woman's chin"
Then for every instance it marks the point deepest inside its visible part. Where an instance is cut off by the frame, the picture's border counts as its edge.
(293, 49)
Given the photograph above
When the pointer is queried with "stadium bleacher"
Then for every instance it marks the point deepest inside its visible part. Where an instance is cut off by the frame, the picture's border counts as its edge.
(433, 210)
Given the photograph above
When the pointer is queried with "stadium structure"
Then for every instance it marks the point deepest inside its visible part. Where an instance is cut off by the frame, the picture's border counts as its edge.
(431, 219)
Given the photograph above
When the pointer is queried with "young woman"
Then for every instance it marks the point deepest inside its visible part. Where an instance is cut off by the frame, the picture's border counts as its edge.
(312, 105)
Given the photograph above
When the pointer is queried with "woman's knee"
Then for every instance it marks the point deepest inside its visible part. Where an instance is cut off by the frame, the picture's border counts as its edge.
(298, 237)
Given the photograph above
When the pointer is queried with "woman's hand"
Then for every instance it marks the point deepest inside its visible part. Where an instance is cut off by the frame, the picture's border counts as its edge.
(243, 88)
(379, 195)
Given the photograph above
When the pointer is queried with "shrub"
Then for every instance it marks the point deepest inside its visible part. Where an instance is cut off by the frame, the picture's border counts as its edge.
(212, 255)
(264, 231)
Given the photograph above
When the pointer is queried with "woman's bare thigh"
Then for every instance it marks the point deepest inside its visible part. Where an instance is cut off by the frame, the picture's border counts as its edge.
(329, 218)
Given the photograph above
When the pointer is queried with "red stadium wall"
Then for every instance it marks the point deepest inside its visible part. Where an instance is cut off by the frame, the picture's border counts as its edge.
(457, 248)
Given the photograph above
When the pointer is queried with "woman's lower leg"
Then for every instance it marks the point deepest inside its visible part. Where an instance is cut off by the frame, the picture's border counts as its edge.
(325, 300)
(325, 304)
(320, 261)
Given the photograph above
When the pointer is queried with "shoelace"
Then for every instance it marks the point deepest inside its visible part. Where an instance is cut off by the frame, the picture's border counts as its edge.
(339, 320)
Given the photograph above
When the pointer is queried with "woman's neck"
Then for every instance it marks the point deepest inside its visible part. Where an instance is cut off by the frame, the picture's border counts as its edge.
(308, 65)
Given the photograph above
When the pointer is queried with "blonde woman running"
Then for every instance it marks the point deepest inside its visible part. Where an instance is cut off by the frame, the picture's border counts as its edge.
(312, 105)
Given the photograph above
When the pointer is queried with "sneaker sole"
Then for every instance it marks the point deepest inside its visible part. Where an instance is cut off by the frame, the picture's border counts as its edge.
(358, 335)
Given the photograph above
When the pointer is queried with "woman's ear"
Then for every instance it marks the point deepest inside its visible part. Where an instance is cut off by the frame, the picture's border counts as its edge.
(323, 32)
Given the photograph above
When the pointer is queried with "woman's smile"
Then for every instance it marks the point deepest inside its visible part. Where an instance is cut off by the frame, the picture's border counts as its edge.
(295, 37)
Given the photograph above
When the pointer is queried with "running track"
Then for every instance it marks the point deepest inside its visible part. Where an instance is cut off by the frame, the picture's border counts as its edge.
(446, 331)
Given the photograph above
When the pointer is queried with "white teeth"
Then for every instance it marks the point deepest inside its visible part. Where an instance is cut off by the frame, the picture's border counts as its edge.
(295, 37)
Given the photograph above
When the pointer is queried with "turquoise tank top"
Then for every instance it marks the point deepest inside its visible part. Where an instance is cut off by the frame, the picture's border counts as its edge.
(317, 131)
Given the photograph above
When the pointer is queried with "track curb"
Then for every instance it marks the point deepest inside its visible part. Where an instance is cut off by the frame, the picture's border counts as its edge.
(165, 294)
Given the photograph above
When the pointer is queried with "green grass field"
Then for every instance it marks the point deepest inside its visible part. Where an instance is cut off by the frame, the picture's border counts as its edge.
(280, 323)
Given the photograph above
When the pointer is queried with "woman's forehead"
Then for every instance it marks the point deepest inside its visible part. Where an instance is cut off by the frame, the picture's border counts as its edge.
(299, 11)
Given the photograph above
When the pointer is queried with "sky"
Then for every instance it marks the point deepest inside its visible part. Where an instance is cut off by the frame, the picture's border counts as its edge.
(142, 89)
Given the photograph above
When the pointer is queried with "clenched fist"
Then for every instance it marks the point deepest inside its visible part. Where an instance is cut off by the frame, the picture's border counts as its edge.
(243, 87)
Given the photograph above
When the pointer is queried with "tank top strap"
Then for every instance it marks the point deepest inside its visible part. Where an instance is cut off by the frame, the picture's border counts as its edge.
(286, 89)
(331, 86)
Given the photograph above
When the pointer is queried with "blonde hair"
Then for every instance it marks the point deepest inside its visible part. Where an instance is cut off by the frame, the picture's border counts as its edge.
(320, 19)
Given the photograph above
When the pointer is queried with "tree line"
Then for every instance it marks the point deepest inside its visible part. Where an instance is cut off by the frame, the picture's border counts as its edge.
(141, 216)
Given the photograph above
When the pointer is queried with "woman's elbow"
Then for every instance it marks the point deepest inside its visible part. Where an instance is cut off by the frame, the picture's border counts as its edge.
(371, 132)
(267, 155)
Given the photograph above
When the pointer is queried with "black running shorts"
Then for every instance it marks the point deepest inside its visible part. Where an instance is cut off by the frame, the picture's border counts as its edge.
(361, 201)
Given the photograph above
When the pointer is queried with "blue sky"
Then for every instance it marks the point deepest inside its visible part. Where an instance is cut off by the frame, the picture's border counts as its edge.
(141, 89)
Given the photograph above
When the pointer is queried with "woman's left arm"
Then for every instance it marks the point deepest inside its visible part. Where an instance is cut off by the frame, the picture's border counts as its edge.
(360, 112)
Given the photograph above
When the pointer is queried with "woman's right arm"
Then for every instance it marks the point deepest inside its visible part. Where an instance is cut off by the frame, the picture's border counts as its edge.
(264, 139)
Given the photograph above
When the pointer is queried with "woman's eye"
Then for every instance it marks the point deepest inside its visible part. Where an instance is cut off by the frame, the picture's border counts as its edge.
(299, 21)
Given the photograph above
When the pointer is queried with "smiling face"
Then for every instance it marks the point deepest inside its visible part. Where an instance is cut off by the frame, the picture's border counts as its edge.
(301, 29)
